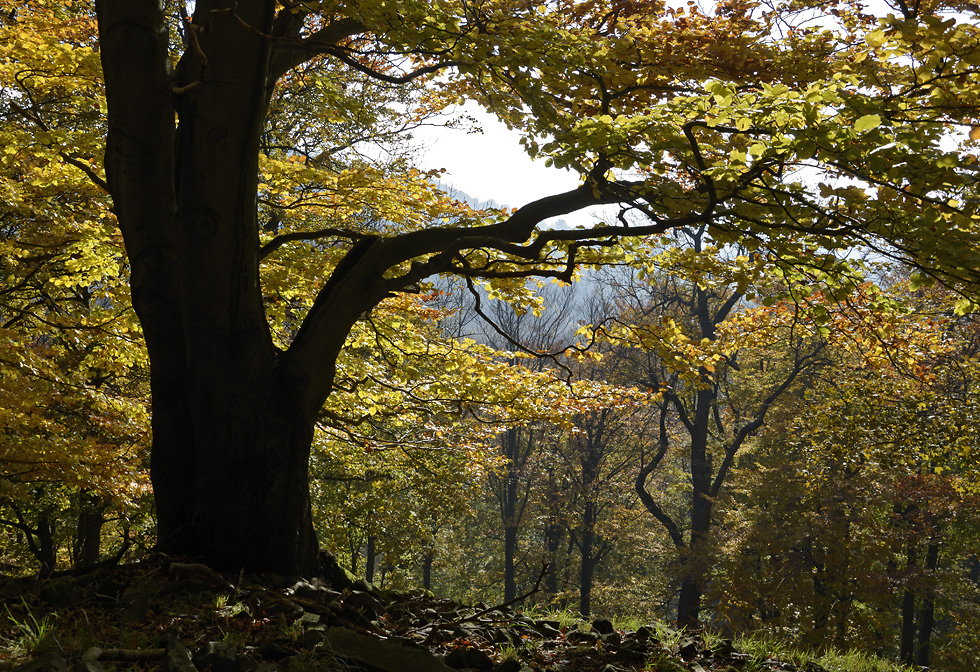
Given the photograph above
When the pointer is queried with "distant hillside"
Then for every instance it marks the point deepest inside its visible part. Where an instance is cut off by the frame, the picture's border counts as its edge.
(477, 203)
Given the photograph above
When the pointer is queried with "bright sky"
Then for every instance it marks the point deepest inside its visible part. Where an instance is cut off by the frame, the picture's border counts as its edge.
(492, 165)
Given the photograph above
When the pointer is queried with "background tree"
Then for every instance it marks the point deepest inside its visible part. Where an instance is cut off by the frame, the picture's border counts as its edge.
(855, 533)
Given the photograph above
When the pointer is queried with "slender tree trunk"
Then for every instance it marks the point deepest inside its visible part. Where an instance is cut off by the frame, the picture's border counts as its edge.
(371, 558)
(46, 553)
(927, 615)
(427, 570)
(907, 641)
(821, 606)
(552, 538)
(587, 574)
(692, 583)
(509, 511)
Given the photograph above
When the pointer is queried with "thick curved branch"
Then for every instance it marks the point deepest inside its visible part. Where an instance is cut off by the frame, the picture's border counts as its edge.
(289, 51)
(676, 537)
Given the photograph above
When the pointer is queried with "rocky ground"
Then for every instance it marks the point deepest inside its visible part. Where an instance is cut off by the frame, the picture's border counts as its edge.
(165, 615)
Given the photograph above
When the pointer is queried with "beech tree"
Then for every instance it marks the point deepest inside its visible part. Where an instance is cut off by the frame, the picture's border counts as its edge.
(693, 119)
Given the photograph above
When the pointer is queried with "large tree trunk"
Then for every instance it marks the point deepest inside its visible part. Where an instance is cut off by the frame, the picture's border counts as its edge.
(232, 425)
(244, 502)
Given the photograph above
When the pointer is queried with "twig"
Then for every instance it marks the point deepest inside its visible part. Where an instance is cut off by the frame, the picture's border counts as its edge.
(545, 566)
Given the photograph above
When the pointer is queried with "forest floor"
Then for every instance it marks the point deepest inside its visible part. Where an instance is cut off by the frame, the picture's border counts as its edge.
(161, 614)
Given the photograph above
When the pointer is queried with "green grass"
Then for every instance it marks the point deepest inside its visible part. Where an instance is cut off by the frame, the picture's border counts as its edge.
(761, 647)
(857, 661)
(30, 635)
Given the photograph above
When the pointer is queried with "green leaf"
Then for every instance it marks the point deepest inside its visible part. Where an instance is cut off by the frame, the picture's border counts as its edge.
(867, 122)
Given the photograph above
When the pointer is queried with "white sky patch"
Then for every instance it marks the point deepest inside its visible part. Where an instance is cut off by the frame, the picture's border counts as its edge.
(492, 165)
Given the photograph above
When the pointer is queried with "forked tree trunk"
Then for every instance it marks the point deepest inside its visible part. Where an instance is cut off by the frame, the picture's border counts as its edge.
(232, 423)
(233, 416)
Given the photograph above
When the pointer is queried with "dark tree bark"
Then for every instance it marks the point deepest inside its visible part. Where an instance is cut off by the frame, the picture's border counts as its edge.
(589, 559)
(45, 550)
(371, 559)
(591, 452)
(233, 416)
(40, 538)
(88, 537)
(553, 533)
(509, 511)
(927, 615)
(427, 570)
(907, 638)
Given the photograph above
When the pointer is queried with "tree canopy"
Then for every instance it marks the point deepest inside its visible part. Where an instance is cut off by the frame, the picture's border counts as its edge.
(226, 208)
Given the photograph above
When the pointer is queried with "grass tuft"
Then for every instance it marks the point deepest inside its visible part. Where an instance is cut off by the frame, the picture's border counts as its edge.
(31, 634)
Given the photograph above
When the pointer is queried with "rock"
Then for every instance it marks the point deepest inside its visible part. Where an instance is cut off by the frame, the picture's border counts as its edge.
(383, 655)
(687, 648)
(463, 658)
(135, 609)
(177, 658)
(275, 650)
(253, 666)
(629, 656)
(548, 628)
(723, 649)
(405, 641)
(311, 621)
(310, 639)
(46, 662)
(218, 657)
(510, 665)
(603, 626)
(582, 638)
(611, 639)
(306, 589)
(110, 589)
(92, 653)
(88, 666)
(62, 593)
(365, 603)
